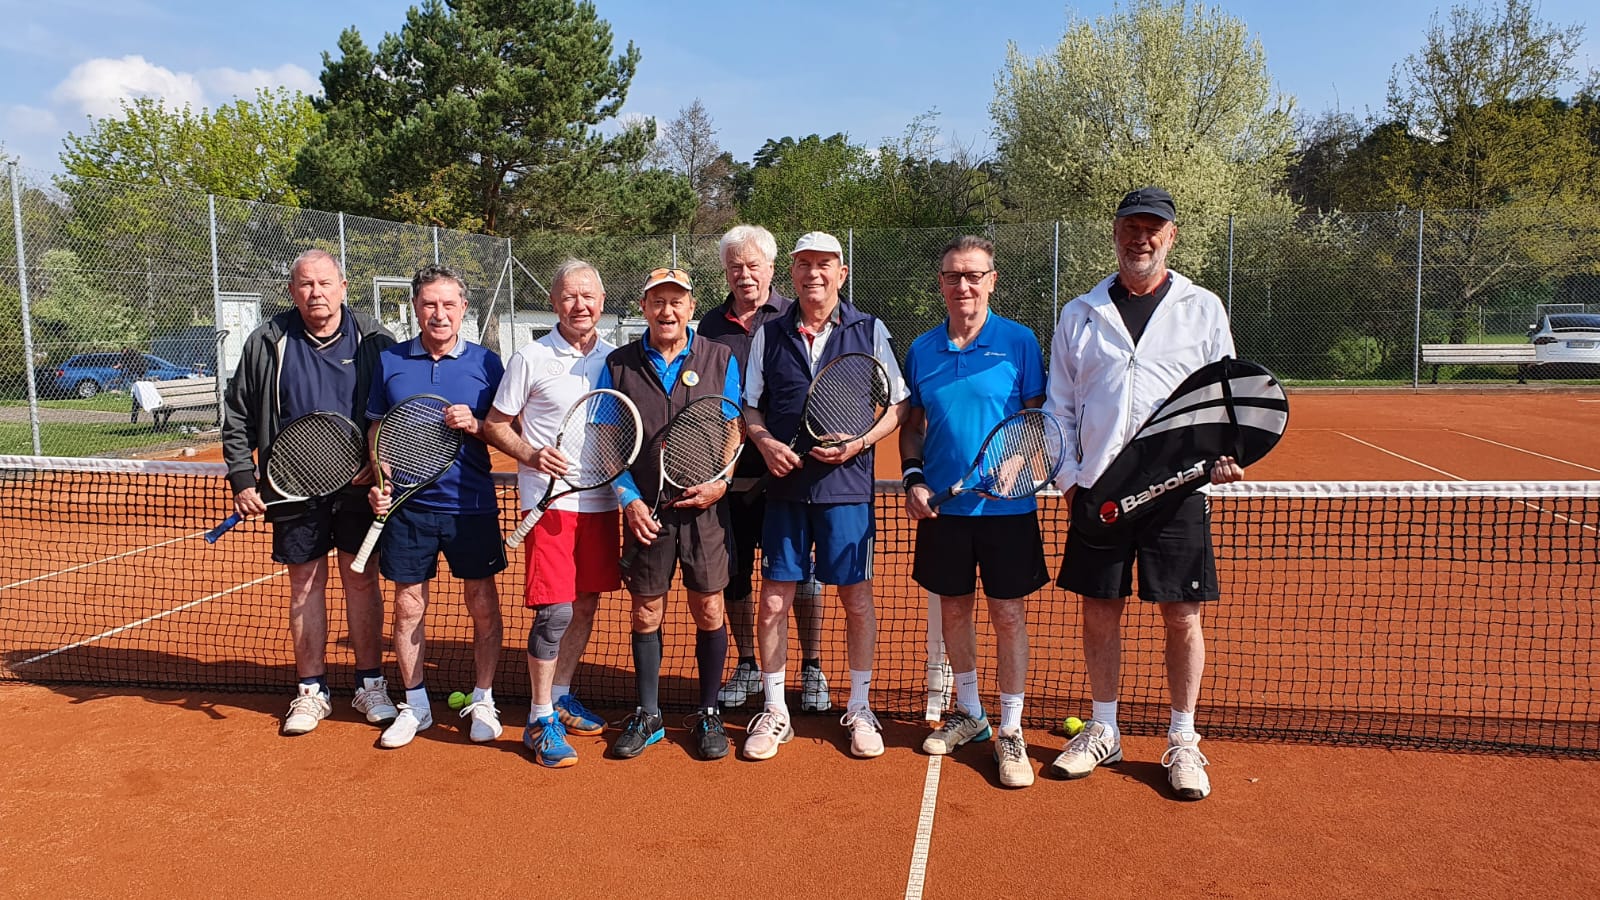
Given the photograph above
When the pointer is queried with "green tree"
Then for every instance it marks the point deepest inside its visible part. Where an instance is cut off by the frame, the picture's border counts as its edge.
(1176, 94)
(813, 182)
(688, 147)
(503, 96)
(244, 149)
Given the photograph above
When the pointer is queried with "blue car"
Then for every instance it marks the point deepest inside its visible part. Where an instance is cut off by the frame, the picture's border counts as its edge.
(88, 374)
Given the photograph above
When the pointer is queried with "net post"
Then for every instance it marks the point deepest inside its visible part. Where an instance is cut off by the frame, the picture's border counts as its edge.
(27, 317)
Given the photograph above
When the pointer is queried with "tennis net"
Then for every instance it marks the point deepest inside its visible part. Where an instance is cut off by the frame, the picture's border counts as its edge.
(1401, 614)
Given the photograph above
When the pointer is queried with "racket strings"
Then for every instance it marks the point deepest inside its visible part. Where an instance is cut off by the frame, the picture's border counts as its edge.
(1021, 457)
(598, 438)
(701, 442)
(414, 443)
(314, 456)
(849, 396)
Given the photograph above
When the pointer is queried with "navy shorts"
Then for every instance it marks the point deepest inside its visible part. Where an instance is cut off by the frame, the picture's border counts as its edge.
(840, 533)
(1172, 554)
(304, 532)
(414, 538)
(952, 551)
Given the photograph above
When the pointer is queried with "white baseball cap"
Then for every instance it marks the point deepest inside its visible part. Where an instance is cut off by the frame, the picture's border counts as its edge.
(667, 276)
(820, 241)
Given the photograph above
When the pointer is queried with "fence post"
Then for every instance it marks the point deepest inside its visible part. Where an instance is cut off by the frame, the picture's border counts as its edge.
(344, 268)
(27, 318)
(850, 255)
(1416, 328)
(436, 245)
(1230, 267)
(1055, 276)
(216, 301)
(511, 299)
(675, 250)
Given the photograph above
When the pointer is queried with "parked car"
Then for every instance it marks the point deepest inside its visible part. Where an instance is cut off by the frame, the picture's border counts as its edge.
(88, 374)
(1567, 338)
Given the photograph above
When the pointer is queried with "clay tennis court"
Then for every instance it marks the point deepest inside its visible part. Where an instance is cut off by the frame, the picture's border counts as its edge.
(141, 791)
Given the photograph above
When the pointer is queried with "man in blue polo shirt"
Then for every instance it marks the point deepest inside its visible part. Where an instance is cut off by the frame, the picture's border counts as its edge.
(966, 376)
(819, 507)
(664, 371)
(457, 515)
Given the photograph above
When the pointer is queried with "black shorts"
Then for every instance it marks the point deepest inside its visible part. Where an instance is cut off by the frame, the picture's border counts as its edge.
(696, 539)
(745, 515)
(302, 532)
(1173, 554)
(1006, 550)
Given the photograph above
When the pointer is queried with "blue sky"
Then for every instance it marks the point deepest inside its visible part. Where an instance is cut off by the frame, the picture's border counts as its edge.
(762, 70)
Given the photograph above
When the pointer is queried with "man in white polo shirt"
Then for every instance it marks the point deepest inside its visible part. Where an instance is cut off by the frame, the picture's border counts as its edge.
(571, 556)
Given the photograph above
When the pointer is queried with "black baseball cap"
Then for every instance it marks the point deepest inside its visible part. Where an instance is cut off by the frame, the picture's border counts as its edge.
(1151, 200)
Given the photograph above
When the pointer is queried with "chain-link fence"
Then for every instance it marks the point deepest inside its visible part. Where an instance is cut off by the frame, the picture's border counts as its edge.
(123, 283)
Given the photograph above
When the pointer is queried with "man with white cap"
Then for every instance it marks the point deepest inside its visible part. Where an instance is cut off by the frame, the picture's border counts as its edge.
(819, 508)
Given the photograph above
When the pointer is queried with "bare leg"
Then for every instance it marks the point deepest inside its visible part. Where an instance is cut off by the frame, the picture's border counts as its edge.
(308, 617)
(483, 604)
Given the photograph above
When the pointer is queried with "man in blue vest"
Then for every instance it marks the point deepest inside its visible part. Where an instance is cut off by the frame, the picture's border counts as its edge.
(748, 253)
(662, 372)
(821, 505)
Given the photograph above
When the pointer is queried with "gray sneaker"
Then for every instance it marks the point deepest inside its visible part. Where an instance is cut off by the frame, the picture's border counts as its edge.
(1186, 766)
(746, 680)
(308, 707)
(814, 697)
(1097, 745)
(372, 700)
(959, 727)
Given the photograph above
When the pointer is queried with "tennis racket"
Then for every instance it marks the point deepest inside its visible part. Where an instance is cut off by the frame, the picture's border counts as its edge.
(411, 449)
(313, 456)
(700, 445)
(1019, 458)
(600, 437)
(847, 397)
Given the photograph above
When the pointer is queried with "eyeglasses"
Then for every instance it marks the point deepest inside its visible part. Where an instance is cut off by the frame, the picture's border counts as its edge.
(951, 279)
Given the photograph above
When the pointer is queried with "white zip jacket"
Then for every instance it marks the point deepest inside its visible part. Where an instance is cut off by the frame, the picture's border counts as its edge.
(1102, 388)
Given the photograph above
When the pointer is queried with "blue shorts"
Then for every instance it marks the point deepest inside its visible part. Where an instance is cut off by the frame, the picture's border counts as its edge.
(414, 538)
(841, 534)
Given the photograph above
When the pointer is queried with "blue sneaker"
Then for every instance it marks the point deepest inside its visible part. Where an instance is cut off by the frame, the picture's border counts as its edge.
(639, 731)
(547, 738)
(577, 717)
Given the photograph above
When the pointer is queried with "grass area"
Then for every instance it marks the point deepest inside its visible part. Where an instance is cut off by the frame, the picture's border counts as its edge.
(106, 401)
(83, 439)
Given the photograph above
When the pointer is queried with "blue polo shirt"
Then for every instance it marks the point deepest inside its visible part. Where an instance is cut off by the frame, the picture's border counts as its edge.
(467, 374)
(732, 388)
(965, 392)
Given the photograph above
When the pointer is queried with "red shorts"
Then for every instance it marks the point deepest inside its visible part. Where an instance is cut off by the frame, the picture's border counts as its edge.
(571, 553)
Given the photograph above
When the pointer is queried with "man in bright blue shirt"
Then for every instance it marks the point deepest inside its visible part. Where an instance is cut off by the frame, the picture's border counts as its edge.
(457, 515)
(663, 372)
(965, 376)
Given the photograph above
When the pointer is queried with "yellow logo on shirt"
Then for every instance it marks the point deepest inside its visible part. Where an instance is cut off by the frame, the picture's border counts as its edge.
(691, 378)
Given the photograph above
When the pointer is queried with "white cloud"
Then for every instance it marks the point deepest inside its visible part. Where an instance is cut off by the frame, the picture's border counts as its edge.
(98, 87)
(20, 119)
(222, 85)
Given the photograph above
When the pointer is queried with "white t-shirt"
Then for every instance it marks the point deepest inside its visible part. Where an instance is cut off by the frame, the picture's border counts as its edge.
(541, 383)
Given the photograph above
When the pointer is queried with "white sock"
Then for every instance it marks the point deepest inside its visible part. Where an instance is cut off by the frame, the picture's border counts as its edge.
(1010, 712)
(1182, 721)
(541, 711)
(557, 691)
(1106, 714)
(860, 689)
(417, 699)
(967, 693)
(479, 695)
(772, 684)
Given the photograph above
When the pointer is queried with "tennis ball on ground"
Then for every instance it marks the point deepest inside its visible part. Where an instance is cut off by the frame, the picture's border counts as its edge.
(459, 700)
(1072, 725)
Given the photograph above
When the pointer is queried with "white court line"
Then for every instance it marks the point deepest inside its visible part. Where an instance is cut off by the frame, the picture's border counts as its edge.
(148, 619)
(919, 850)
(104, 559)
(1566, 462)
(1533, 506)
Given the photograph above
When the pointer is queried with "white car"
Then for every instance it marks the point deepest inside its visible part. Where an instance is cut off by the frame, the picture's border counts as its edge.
(1567, 338)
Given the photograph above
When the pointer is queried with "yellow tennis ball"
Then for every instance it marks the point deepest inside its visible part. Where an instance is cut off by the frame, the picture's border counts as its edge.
(1072, 726)
(459, 700)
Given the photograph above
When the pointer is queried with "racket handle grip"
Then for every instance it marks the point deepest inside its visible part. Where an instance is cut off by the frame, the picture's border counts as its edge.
(223, 528)
(941, 498)
(526, 525)
(370, 543)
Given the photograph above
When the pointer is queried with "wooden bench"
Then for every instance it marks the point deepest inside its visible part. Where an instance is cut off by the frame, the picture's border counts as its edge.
(1519, 355)
(163, 398)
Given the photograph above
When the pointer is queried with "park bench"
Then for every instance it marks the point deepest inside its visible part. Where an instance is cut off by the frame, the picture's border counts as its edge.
(1519, 355)
(163, 398)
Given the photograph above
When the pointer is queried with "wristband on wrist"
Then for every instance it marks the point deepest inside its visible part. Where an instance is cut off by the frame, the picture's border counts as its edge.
(909, 463)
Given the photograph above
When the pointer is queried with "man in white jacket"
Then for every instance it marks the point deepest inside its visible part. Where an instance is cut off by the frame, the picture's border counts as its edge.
(1118, 352)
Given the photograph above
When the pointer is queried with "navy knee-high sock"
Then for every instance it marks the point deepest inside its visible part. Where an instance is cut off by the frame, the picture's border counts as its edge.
(647, 670)
(711, 654)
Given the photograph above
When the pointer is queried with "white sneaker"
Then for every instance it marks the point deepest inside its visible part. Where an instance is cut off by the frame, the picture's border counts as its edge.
(1098, 744)
(309, 707)
(766, 732)
(1011, 755)
(1186, 766)
(485, 721)
(866, 738)
(372, 699)
(405, 727)
(959, 727)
